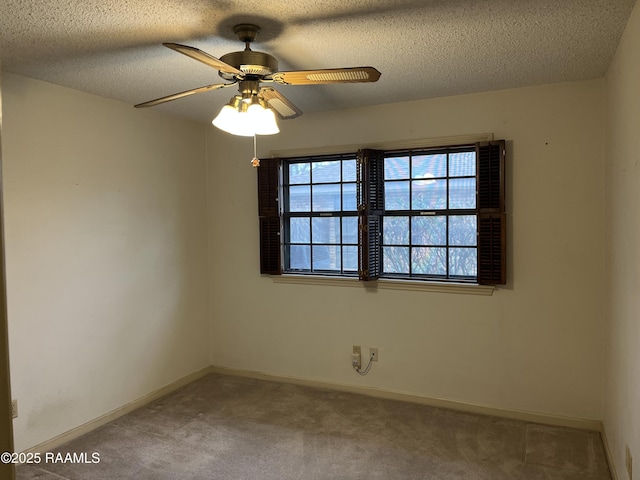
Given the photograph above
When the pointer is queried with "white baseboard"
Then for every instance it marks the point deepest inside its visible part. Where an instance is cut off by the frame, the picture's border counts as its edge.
(532, 417)
(117, 413)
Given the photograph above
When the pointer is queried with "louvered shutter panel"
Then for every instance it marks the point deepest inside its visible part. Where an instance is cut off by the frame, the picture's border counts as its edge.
(370, 204)
(269, 216)
(492, 269)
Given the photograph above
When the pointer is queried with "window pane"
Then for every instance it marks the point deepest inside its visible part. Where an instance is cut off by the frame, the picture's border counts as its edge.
(348, 170)
(299, 173)
(428, 261)
(325, 172)
(326, 198)
(462, 164)
(462, 230)
(396, 259)
(300, 199)
(299, 230)
(326, 230)
(395, 231)
(350, 259)
(463, 261)
(326, 257)
(429, 230)
(350, 230)
(429, 166)
(349, 201)
(429, 195)
(462, 193)
(299, 257)
(396, 168)
(396, 195)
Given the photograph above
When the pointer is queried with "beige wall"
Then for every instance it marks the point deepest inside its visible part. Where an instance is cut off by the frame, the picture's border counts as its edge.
(106, 254)
(622, 390)
(536, 345)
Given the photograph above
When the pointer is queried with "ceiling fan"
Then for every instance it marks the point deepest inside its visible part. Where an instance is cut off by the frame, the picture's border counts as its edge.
(249, 69)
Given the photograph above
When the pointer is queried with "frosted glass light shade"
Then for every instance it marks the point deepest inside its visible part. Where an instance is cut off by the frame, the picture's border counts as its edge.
(262, 120)
(256, 120)
(232, 121)
(226, 118)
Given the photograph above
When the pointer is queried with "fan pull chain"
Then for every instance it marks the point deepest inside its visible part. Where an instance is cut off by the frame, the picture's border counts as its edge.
(254, 161)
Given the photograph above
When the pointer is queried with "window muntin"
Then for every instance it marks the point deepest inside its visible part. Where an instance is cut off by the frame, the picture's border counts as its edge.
(429, 223)
(320, 215)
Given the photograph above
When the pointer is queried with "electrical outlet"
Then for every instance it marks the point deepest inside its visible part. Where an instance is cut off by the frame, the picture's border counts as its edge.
(629, 462)
(356, 356)
(373, 354)
(14, 408)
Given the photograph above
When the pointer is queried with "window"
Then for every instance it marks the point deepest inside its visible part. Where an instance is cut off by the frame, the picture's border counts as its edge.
(429, 219)
(320, 215)
(423, 214)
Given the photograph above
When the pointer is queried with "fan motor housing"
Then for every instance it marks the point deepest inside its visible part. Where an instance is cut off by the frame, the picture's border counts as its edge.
(250, 62)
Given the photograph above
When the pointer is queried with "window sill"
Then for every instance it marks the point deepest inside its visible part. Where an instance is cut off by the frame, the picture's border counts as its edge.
(386, 284)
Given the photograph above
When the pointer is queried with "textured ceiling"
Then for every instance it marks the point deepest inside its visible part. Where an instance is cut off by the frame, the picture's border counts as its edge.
(424, 48)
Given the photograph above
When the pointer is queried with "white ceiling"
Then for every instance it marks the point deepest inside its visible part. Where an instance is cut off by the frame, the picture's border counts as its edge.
(424, 48)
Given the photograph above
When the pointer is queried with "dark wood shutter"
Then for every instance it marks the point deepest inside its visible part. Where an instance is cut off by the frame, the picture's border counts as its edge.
(269, 216)
(370, 191)
(492, 268)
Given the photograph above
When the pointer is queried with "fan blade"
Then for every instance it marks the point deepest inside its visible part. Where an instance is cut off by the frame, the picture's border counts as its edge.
(330, 75)
(203, 57)
(283, 107)
(175, 96)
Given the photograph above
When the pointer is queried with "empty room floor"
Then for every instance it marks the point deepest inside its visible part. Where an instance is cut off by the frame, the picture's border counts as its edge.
(232, 428)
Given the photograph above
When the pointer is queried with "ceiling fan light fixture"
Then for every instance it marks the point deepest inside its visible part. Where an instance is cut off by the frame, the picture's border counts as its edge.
(243, 119)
